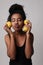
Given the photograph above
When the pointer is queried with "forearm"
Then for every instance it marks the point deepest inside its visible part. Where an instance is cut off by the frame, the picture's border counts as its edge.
(12, 50)
(28, 48)
(10, 43)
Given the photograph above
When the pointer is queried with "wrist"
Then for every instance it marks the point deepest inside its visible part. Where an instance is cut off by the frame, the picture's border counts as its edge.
(11, 35)
(27, 34)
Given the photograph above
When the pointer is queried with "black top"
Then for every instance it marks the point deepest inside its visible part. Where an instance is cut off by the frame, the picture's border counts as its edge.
(20, 57)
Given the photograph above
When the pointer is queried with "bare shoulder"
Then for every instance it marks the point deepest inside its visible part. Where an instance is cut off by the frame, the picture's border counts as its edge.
(7, 40)
(6, 36)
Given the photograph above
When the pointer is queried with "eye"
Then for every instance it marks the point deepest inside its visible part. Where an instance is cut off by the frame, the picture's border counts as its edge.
(19, 19)
(13, 20)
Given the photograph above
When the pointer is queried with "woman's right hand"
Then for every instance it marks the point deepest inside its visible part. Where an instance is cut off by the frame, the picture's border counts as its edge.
(8, 30)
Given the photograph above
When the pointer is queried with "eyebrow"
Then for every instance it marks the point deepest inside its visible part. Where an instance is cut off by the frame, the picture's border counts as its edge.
(15, 18)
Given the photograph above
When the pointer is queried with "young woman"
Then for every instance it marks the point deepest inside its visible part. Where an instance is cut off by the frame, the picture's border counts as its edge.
(19, 43)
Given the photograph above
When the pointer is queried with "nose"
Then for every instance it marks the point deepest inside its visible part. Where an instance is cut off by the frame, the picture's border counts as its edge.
(16, 22)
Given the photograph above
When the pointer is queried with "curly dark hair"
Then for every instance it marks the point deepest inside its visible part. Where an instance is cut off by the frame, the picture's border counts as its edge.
(16, 8)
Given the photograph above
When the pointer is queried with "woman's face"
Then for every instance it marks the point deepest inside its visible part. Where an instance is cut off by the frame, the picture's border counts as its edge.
(17, 21)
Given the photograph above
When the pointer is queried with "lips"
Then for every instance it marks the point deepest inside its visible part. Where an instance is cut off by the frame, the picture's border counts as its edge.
(17, 26)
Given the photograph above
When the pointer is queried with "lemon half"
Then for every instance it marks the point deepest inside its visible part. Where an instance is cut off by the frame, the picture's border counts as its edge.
(9, 24)
(25, 29)
(26, 22)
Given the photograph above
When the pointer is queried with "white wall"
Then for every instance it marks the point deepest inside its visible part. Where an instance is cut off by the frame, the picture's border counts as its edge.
(34, 12)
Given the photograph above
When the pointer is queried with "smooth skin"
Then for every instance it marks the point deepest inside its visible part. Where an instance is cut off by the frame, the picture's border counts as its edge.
(17, 24)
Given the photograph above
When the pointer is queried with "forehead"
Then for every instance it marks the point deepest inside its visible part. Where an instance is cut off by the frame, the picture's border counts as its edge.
(16, 15)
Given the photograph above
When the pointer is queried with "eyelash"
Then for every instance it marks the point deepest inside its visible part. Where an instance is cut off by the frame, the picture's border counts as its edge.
(17, 20)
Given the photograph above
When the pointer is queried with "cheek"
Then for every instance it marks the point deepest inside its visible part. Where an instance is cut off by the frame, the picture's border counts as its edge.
(21, 24)
(13, 24)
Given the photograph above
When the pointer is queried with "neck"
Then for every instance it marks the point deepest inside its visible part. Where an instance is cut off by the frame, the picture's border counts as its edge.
(20, 32)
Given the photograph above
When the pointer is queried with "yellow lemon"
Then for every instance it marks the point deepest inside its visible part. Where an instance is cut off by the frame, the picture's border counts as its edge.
(9, 24)
(26, 22)
(25, 29)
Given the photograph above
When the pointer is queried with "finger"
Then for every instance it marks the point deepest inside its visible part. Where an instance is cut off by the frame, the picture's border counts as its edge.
(30, 24)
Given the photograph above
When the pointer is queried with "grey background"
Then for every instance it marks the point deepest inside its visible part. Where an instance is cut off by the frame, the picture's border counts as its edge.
(34, 12)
